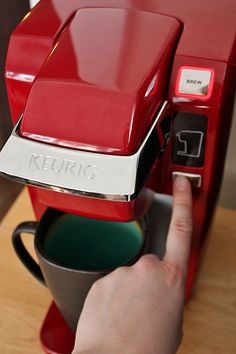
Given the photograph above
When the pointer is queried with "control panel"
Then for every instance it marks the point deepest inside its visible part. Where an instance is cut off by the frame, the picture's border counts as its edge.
(189, 139)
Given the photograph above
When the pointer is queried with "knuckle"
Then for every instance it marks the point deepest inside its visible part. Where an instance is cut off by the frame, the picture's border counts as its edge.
(119, 272)
(147, 263)
(175, 276)
(183, 200)
(182, 226)
(96, 286)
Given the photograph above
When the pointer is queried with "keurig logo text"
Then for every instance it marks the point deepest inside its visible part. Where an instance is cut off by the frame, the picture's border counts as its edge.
(62, 166)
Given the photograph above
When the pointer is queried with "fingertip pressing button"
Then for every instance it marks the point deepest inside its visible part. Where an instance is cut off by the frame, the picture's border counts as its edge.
(194, 179)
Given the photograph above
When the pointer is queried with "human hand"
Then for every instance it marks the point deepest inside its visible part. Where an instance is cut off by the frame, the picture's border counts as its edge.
(139, 309)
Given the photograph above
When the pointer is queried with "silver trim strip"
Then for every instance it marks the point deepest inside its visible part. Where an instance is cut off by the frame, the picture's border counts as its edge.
(72, 171)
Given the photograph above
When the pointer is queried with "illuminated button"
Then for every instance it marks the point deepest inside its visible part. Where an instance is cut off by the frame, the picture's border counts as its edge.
(194, 82)
(194, 179)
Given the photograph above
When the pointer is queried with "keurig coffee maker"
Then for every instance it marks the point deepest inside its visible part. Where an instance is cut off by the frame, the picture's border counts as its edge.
(110, 101)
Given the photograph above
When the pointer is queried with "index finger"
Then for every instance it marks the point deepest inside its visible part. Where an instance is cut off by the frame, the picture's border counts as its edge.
(180, 230)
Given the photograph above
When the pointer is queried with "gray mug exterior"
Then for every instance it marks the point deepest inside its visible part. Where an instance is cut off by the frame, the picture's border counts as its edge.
(69, 287)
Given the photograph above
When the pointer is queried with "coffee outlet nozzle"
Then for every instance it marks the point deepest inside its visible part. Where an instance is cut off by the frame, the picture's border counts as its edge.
(109, 103)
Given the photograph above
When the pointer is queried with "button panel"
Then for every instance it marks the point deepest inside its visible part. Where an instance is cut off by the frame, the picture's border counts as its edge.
(189, 139)
(194, 82)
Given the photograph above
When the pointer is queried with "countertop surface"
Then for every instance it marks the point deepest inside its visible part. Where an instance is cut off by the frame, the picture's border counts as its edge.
(210, 314)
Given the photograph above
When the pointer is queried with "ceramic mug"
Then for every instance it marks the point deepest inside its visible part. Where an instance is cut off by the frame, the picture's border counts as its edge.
(74, 251)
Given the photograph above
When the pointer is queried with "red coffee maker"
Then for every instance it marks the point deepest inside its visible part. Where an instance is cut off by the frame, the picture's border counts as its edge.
(110, 101)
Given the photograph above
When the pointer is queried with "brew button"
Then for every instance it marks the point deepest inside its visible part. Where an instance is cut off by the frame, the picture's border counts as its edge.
(194, 82)
(194, 179)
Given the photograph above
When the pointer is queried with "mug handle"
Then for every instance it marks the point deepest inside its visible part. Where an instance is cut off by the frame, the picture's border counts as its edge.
(28, 227)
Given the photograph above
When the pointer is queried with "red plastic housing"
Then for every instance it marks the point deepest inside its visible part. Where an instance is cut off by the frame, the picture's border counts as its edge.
(118, 61)
(138, 40)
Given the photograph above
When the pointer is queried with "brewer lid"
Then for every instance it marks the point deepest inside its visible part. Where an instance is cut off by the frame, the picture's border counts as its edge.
(103, 81)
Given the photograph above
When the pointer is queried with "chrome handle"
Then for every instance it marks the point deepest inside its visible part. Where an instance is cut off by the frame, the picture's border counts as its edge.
(76, 172)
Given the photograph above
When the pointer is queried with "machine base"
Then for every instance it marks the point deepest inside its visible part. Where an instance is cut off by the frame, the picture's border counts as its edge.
(55, 335)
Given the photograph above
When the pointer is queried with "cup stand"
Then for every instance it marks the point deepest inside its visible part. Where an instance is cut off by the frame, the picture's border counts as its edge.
(55, 335)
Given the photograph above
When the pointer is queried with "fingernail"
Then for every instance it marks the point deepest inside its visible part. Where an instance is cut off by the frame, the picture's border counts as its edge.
(181, 183)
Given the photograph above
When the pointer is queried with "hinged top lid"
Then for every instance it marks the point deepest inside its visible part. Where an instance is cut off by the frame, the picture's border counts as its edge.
(103, 81)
